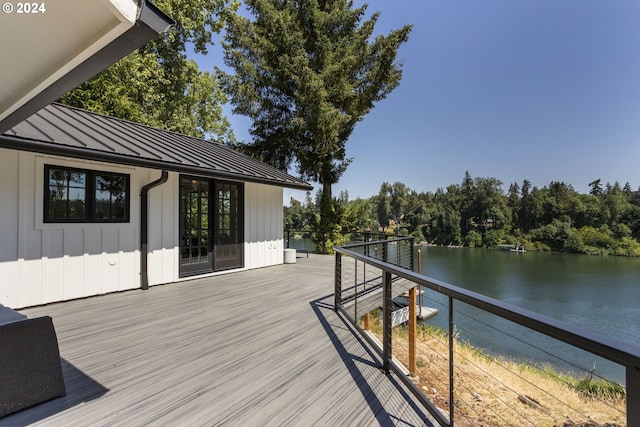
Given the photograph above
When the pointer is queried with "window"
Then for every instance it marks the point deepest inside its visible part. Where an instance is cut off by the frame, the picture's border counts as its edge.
(79, 195)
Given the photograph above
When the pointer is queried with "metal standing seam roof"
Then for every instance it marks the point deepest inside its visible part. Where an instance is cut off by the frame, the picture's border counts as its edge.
(71, 132)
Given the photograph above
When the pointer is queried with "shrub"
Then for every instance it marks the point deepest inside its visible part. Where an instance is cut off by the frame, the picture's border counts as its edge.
(573, 243)
(473, 239)
(492, 238)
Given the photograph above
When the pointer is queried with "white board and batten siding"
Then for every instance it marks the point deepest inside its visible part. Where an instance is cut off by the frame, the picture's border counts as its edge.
(263, 226)
(42, 263)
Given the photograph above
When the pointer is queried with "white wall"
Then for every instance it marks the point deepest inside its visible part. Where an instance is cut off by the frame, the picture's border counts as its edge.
(163, 229)
(42, 263)
(263, 215)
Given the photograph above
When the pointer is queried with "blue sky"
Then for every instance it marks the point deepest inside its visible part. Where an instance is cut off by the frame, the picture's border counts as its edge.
(544, 90)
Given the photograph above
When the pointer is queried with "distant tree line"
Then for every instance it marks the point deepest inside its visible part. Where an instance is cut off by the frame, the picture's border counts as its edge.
(478, 213)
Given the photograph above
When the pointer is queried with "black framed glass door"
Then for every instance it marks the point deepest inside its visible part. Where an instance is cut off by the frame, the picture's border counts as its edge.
(211, 225)
(229, 226)
(196, 256)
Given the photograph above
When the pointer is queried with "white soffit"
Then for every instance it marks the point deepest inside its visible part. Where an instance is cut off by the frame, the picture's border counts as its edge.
(39, 48)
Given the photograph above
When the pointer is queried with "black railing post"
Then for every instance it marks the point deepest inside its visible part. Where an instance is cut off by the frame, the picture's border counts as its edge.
(386, 322)
(355, 289)
(385, 251)
(338, 282)
(411, 260)
(633, 396)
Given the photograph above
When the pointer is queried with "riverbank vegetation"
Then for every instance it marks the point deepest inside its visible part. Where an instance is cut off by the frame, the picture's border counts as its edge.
(478, 213)
(496, 391)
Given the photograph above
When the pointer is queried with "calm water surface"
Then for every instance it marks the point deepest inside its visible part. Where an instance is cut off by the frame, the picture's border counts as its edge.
(601, 294)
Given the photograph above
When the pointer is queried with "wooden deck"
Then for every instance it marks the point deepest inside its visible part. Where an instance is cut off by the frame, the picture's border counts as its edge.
(261, 347)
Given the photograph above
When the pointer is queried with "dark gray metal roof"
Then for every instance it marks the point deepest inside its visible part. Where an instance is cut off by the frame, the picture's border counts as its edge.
(66, 131)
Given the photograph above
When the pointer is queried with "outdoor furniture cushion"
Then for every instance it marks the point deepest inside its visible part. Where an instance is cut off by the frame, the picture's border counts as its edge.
(30, 369)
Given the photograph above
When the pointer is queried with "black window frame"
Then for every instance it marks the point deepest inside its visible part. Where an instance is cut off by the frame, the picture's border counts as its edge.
(90, 201)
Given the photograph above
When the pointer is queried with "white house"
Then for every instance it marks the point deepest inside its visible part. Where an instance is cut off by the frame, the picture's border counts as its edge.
(91, 204)
(74, 192)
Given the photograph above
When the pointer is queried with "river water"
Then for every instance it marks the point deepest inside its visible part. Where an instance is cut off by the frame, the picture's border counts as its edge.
(600, 294)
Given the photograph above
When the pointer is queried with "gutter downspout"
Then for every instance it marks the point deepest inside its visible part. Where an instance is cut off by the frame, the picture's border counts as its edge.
(144, 227)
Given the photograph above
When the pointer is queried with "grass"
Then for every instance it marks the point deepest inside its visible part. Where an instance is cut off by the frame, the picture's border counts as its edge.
(497, 391)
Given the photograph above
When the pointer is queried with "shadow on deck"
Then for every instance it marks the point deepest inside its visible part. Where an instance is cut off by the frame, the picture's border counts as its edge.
(259, 347)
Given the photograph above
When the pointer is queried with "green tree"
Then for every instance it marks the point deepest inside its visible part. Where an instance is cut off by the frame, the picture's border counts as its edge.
(616, 204)
(596, 187)
(491, 203)
(416, 215)
(473, 239)
(445, 222)
(293, 215)
(157, 85)
(513, 203)
(525, 203)
(383, 204)
(557, 204)
(357, 216)
(593, 215)
(468, 208)
(399, 200)
(493, 238)
(535, 206)
(306, 72)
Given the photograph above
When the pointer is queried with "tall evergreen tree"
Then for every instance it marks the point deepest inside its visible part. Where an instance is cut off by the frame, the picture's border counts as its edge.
(307, 71)
(157, 85)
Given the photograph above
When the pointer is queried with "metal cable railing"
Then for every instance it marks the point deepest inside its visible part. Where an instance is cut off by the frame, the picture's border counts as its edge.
(488, 381)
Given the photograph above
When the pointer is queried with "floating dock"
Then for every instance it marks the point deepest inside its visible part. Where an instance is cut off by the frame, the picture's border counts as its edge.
(400, 316)
(426, 312)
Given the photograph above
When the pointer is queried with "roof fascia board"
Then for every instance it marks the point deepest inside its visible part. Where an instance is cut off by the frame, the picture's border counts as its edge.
(150, 23)
(100, 156)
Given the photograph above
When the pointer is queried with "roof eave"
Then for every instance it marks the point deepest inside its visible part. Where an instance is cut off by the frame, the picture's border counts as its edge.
(29, 145)
(150, 23)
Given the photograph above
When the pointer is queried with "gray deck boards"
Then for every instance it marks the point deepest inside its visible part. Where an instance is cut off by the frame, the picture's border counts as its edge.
(260, 347)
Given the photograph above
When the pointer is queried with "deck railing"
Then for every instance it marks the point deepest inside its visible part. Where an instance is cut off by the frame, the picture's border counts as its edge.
(303, 239)
(370, 276)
